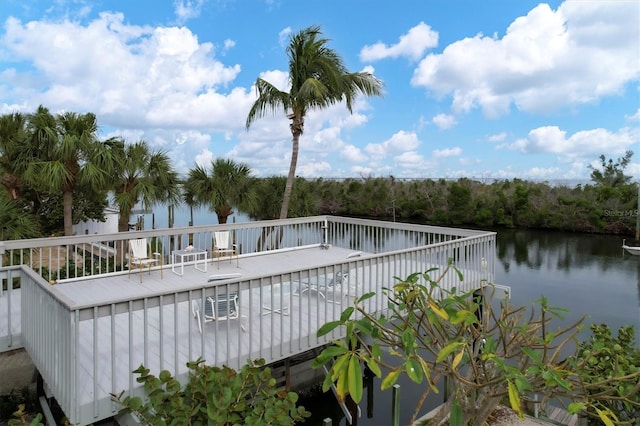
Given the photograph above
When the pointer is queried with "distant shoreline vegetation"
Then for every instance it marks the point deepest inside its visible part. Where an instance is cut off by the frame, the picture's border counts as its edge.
(511, 203)
(515, 203)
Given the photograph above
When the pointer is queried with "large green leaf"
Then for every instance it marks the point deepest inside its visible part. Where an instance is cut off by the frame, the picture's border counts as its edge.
(414, 370)
(456, 415)
(327, 353)
(391, 378)
(444, 352)
(328, 327)
(355, 379)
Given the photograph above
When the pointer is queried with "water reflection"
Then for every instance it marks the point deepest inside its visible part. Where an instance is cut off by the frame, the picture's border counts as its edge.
(541, 249)
(587, 274)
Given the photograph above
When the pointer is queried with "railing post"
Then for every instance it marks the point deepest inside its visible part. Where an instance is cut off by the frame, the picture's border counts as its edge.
(395, 405)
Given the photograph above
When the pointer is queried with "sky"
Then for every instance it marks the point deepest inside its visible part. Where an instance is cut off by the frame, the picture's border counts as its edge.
(484, 89)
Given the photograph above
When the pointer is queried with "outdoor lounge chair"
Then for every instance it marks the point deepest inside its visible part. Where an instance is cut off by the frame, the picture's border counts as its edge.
(223, 246)
(222, 307)
(139, 256)
(330, 288)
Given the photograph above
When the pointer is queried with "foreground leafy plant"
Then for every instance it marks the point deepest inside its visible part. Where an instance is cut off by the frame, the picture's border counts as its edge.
(487, 355)
(214, 395)
(21, 417)
(607, 360)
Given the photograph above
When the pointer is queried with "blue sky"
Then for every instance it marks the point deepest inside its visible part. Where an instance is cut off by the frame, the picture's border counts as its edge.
(479, 89)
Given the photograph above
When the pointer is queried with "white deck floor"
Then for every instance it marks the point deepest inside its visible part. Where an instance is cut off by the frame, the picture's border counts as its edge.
(270, 334)
(108, 289)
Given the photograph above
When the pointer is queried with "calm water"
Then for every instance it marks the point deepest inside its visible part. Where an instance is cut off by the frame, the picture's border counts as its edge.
(586, 274)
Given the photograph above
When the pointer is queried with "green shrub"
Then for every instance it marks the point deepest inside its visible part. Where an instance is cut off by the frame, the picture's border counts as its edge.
(606, 360)
(214, 395)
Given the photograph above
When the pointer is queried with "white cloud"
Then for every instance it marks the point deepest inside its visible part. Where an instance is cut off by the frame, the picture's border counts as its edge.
(361, 170)
(546, 60)
(187, 9)
(170, 79)
(633, 117)
(352, 154)
(193, 138)
(399, 142)
(541, 172)
(411, 45)
(204, 159)
(323, 140)
(228, 45)
(582, 144)
(498, 137)
(447, 152)
(410, 160)
(633, 169)
(444, 121)
(283, 36)
(313, 169)
(468, 161)
(280, 79)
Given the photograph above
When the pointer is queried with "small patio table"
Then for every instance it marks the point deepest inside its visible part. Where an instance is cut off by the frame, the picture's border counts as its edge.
(178, 258)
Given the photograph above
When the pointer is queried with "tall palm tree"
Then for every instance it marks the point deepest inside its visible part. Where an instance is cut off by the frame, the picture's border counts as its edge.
(142, 175)
(225, 185)
(67, 154)
(16, 224)
(13, 149)
(318, 79)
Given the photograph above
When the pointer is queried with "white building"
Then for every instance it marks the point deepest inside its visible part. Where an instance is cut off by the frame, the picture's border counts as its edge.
(109, 226)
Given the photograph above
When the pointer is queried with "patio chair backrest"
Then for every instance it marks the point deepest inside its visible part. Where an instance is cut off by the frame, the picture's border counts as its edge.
(139, 248)
(221, 239)
(224, 306)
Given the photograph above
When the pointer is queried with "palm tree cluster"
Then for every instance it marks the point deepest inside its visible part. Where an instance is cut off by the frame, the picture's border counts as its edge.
(57, 172)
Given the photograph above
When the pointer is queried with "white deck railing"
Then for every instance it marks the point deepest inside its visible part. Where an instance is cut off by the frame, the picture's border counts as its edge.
(85, 351)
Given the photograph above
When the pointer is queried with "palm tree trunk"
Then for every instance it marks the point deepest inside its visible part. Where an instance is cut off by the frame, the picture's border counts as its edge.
(67, 207)
(123, 226)
(292, 174)
(223, 214)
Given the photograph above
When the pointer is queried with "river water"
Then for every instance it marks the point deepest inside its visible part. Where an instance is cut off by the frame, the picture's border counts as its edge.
(586, 274)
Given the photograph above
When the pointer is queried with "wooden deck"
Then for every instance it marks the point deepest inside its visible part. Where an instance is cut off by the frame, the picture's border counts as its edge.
(271, 332)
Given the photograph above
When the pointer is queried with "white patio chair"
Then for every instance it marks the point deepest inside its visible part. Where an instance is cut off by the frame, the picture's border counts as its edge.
(139, 256)
(220, 308)
(223, 246)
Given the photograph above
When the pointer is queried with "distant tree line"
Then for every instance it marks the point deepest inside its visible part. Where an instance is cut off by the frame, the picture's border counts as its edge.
(55, 172)
(608, 204)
